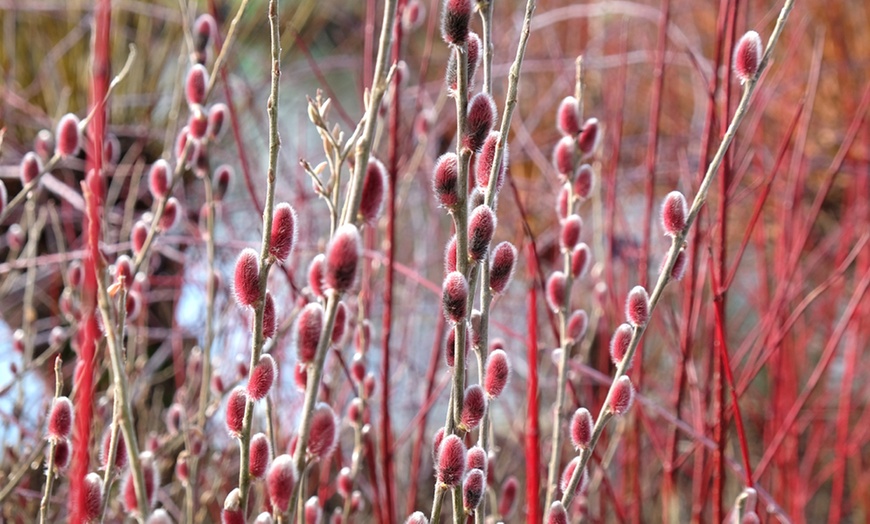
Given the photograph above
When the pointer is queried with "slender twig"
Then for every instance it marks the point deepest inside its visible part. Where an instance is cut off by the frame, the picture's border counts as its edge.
(266, 258)
(49, 465)
(677, 245)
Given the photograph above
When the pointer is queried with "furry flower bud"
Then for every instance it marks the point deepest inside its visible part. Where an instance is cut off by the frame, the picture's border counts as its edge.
(486, 159)
(581, 428)
(571, 229)
(93, 497)
(450, 346)
(262, 377)
(508, 499)
(283, 237)
(577, 324)
(568, 473)
(60, 419)
(455, 17)
(476, 459)
(454, 296)
(623, 395)
(473, 407)
(196, 84)
(584, 181)
(472, 489)
(324, 432)
(637, 306)
(159, 179)
(619, 344)
(417, 518)
(679, 268)
(128, 491)
(260, 455)
(481, 119)
(564, 155)
(481, 227)
(674, 212)
(445, 180)
(556, 291)
(236, 403)
(580, 260)
(246, 283)
(313, 512)
(501, 266)
(498, 372)
(315, 274)
(373, 190)
(280, 481)
(747, 56)
(450, 256)
(588, 138)
(68, 136)
(451, 461)
(30, 168)
(309, 324)
(217, 115)
(557, 514)
(342, 258)
(568, 117)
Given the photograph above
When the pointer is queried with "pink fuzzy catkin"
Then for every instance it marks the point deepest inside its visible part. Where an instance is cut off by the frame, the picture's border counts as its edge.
(556, 291)
(455, 17)
(568, 117)
(451, 461)
(309, 324)
(674, 213)
(262, 377)
(445, 180)
(473, 407)
(581, 428)
(342, 258)
(747, 56)
(623, 396)
(235, 413)
(246, 281)
(260, 455)
(498, 373)
(637, 306)
(280, 481)
(502, 263)
(283, 235)
(454, 296)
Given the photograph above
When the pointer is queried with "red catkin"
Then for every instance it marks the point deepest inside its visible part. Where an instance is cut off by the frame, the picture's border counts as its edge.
(502, 263)
(313, 512)
(563, 203)
(30, 168)
(120, 451)
(472, 489)
(455, 17)
(197, 123)
(196, 84)
(174, 418)
(473, 407)
(280, 481)
(476, 459)
(584, 181)
(128, 491)
(564, 155)
(223, 175)
(474, 56)
(68, 135)
(60, 419)
(569, 472)
(300, 375)
(588, 138)
(246, 282)
(339, 327)
(315, 275)
(450, 346)
(581, 257)
(217, 115)
(437, 440)
(283, 236)
(454, 296)
(481, 227)
(324, 432)
(61, 455)
(637, 306)
(445, 180)
(481, 119)
(674, 213)
(93, 497)
(577, 324)
(159, 179)
(262, 377)
(417, 518)
(171, 214)
(260, 455)
(138, 236)
(204, 30)
(450, 255)
(581, 428)
(508, 498)
(619, 343)
(747, 56)
(232, 512)
(344, 483)
(451, 461)
(342, 258)
(309, 324)
(498, 372)
(236, 411)
(679, 268)
(556, 291)
(486, 159)
(373, 191)
(568, 117)
(43, 144)
(182, 467)
(623, 395)
(571, 229)
(557, 514)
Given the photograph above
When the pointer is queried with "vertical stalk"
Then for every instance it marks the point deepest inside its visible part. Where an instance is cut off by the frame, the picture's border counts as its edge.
(49, 465)
(265, 257)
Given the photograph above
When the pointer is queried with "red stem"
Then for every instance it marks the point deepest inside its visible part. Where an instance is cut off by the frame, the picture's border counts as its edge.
(90, 333)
